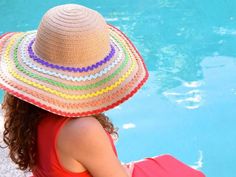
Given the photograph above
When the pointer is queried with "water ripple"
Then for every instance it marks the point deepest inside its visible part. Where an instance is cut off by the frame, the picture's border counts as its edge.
(128, 125)
(189, 99)
(199, 163)
(224, 31)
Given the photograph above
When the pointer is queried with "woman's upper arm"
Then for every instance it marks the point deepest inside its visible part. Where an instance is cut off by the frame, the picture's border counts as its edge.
(90, 145)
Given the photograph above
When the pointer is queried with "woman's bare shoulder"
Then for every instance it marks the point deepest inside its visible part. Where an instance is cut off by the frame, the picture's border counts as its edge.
(81, 127)
(81, 132)
(83, 124)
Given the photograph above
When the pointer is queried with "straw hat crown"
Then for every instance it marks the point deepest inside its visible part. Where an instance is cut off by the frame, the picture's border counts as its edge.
(72, 35)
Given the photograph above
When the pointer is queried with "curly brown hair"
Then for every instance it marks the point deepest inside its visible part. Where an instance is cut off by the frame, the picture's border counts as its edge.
(20, 130)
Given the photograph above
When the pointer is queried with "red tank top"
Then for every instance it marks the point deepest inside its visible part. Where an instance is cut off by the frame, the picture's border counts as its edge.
(48, 164)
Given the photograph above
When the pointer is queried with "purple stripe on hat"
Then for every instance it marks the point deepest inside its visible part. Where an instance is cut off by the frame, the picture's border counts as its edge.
(66, 68)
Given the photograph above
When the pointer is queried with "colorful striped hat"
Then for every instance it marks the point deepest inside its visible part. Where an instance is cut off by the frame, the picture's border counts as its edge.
(74, 64)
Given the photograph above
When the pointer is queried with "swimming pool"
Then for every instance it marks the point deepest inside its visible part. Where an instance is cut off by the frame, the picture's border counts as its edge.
(187, 108)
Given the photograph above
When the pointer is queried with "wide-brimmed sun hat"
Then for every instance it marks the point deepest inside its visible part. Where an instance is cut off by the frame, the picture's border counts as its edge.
(74, 64)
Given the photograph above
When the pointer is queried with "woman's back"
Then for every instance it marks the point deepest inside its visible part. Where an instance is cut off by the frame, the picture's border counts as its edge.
(51, 161)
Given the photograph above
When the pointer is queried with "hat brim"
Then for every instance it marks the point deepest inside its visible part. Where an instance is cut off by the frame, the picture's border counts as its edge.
(66, 93)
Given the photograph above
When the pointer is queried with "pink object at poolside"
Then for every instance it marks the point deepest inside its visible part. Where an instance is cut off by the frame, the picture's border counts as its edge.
(49, 166)
(163, 166)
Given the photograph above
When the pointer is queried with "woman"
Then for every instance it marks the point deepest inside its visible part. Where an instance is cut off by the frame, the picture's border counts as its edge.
(58, 81)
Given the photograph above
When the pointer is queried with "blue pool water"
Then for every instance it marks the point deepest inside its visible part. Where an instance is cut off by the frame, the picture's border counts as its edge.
(187, 107)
